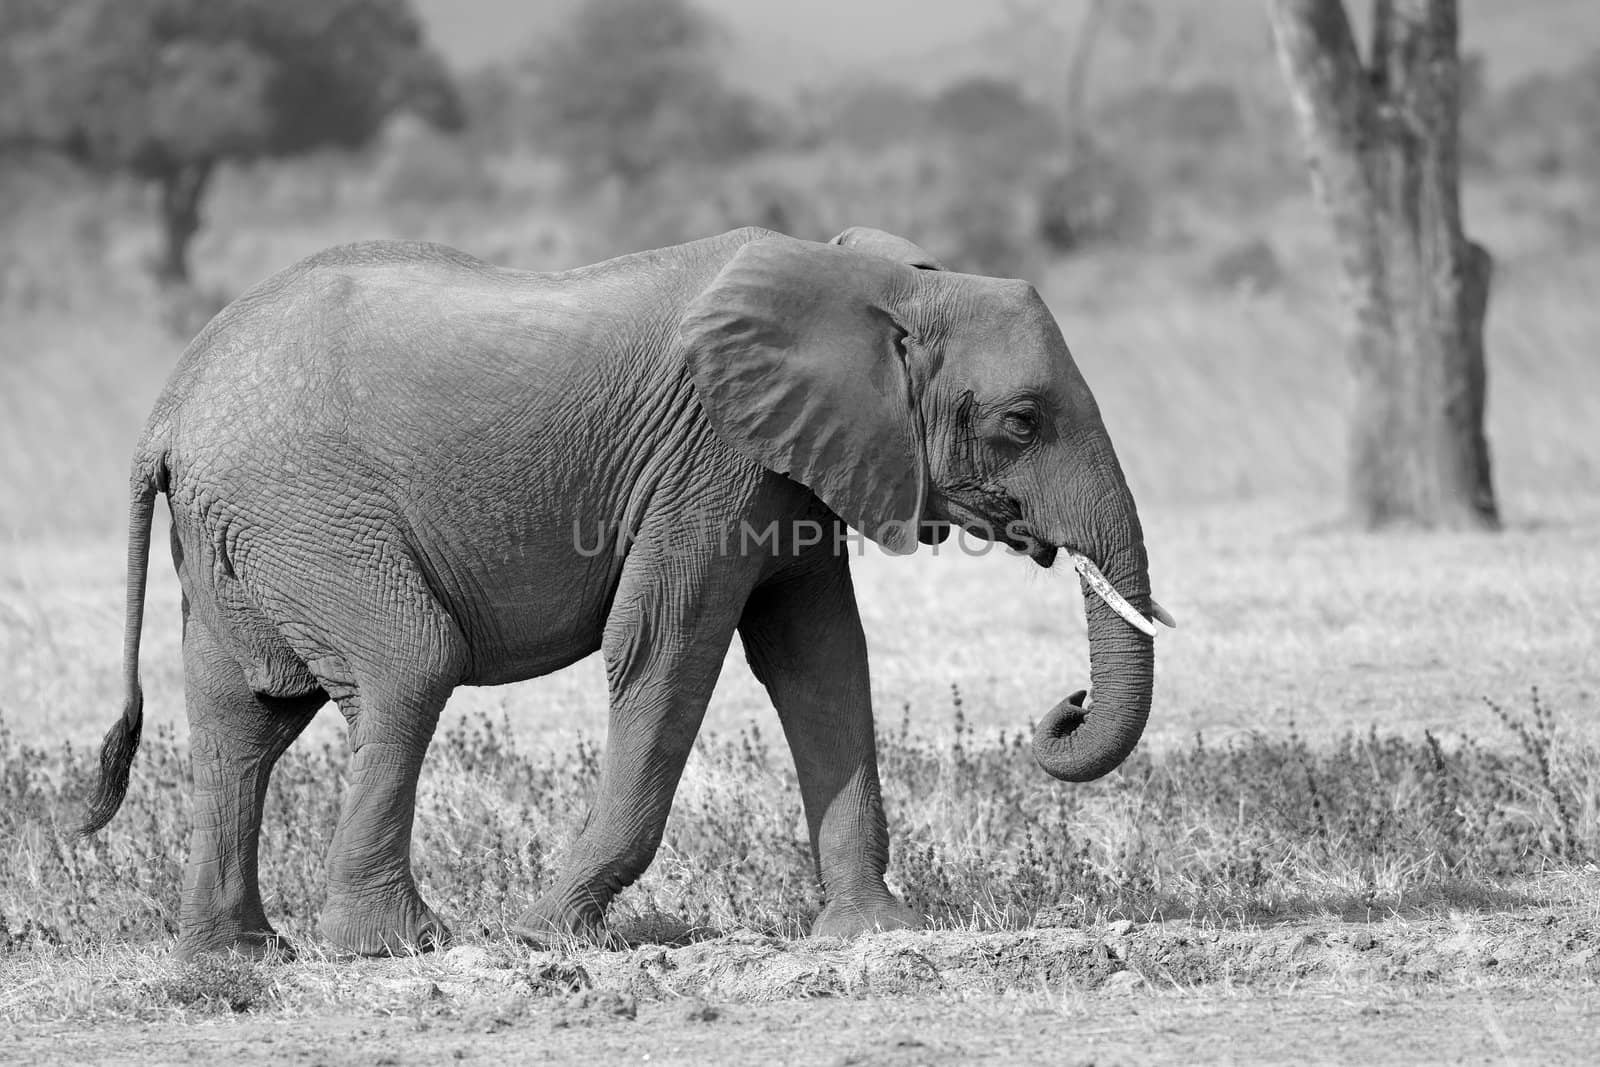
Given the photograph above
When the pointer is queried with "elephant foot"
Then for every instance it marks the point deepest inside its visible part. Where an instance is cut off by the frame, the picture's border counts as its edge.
(369, 929)
(850, 918)
(260, 945)
(552, 925)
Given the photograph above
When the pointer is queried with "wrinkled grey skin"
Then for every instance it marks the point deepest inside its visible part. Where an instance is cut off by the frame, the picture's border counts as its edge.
(390, 467)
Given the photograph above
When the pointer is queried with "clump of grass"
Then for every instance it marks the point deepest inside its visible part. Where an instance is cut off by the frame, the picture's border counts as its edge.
(215, 984)
(1258, 827)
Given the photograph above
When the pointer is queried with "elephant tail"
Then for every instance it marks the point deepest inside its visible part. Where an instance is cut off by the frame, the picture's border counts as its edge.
(122, 741)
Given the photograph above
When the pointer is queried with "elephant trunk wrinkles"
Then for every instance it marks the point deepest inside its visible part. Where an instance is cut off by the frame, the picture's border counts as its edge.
(1077, 743)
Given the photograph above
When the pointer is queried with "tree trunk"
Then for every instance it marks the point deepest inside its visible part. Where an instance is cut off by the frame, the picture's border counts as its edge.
(1383, 149)
(1077, 81)
(181, 189)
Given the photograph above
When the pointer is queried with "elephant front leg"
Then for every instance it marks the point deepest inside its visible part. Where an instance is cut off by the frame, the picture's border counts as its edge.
(396, 665)
(804, 642)
(665, 641)
(373, 906)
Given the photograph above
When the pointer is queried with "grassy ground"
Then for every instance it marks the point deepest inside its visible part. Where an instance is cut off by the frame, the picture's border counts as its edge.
(1325, 800)
(1389, 872)
(1260, 828)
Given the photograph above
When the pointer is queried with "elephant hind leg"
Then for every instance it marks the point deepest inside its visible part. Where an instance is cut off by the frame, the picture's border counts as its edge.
(235, 738)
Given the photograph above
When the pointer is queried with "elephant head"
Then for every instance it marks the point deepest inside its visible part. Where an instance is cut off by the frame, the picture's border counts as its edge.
(910, 398)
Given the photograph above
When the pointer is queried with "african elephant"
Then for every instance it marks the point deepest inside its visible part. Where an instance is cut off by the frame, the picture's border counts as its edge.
(394, 469)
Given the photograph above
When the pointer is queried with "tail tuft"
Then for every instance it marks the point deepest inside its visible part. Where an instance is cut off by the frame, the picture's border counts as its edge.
(116, 759)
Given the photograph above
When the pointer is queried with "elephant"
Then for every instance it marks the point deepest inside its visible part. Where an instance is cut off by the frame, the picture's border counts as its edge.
(394, 469)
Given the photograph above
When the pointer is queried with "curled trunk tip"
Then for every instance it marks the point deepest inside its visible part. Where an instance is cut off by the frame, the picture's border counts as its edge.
(1069, 745)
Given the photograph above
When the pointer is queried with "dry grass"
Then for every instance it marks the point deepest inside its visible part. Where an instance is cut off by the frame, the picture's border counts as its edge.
(1255, 828)
(1239, 865)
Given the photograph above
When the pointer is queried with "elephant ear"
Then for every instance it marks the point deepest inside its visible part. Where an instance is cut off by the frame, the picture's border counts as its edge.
(887, 245)
(799, 359)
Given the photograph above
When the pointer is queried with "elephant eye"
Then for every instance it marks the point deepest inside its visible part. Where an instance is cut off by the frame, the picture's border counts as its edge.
(1023, 425)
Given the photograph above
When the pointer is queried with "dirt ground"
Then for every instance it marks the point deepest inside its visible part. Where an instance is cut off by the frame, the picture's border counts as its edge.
(1454, 1027)
(1463, 987)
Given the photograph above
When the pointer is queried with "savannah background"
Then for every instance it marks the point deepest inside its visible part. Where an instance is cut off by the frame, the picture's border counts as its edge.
(1365, 816)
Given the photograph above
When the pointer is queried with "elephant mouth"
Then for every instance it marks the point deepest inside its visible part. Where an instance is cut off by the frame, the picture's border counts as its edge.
(1008, 529)
(1040, 551)
(975, 516)
(1017, 537)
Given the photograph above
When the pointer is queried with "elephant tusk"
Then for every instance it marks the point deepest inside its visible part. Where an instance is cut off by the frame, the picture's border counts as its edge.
(1162, 615)
(1103, 589)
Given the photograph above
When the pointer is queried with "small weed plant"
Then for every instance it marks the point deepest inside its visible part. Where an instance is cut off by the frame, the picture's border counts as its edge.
(1259, 827)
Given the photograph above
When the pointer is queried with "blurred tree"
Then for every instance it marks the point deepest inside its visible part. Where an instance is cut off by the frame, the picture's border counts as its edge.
(1076, 90)
(974, 106)
(1048, 45)
(1383, 142)
(167, 89)
(633, 86)
(865, 113)
(493, 103)
(1548, 122)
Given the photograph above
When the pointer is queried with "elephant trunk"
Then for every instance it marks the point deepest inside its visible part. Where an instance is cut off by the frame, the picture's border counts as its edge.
(1081, 739)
